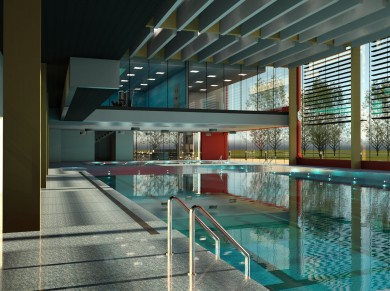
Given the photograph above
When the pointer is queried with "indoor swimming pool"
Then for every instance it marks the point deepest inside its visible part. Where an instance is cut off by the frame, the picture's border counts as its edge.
(305, 228)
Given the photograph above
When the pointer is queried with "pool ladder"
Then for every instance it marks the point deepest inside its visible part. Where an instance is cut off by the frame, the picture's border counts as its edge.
(192, 218)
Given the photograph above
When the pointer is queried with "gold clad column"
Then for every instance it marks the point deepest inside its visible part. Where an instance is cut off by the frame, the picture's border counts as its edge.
(22, 114)
(44, 125)
(355, 108)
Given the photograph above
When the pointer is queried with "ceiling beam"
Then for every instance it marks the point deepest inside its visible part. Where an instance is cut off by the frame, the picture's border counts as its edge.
(165, 9)
(252, 50)
(222, 43)
(200, 43)
(327, 53)
(242, 44)
(189, 10)
(302, 54)
(269, 14)
(298, 47)
(319, 17)
(279, 47)
(181, 40)
(242, 13)
(305, 10)
(361, 15)
(215, 12)
(372, 37)
(159, 41)
(363, 31)
(140, 41)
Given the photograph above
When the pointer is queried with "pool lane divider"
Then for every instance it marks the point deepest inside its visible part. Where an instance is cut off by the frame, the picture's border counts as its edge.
(134, 216)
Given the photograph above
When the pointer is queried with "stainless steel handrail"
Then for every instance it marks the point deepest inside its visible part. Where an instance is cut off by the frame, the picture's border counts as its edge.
(222, 230)
(202, 224)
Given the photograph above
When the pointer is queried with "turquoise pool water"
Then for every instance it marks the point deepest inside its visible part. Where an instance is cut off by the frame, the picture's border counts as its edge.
(306, 229)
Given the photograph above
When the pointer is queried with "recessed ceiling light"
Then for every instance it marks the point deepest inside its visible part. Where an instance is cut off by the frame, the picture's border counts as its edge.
(211, 76)
(137, 89)
(151, 79)
(203, 90)
(189, 86)
(143, 84)
(130, 75)
(227, 80)
(214, 85)
(160, 73)
(124, 81)
(138, 68)
(242, 74)
(199, 82)
(194, 71)
(120, 86)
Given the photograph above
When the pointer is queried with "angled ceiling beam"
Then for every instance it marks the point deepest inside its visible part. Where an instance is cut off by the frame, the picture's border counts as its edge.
(189, 10)
(269, 14)
(362, 31)
(305, 10)
(281, 46)
(141, 39)
(284, 54)
(165, 9)
(327, 53)
(242, 44)
(252, 50)
(215, 12)
(319, 17)
(200, 43)
(372, 37)
(222, 43)
(181, 40)
(362, 15)
(159, 41)
(302, 54)
(242, 13)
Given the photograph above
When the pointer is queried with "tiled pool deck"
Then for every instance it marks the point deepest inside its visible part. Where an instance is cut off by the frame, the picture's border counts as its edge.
(93, 238)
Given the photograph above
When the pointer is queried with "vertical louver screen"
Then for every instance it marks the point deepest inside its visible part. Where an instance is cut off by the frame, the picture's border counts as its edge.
(380, 75)
(327, 90)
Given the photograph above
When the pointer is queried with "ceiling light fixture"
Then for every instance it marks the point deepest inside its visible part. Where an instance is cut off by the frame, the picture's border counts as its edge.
(125, 81)
(199, 82)
(203, 90)
(211, 76)
(143, 84)
(160, 73)
(137, 89)
(189, 86)
(151, 79)
(242, 74)
(130, 75)
(194, 71)
(227, 80)
(138, 68)
(214, 85)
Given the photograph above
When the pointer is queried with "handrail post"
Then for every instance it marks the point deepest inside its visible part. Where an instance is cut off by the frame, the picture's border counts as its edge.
(192, 242)
(169, 232)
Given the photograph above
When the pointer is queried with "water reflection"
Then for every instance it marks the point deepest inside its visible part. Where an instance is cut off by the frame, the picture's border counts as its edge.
(300, 232)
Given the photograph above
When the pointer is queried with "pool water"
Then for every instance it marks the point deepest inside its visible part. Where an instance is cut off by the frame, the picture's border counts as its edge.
(304, 232)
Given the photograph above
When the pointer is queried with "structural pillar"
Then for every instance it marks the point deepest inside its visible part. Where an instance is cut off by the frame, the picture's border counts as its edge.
(294, 130)
(22, 114)
(355, 109)
(44, 126)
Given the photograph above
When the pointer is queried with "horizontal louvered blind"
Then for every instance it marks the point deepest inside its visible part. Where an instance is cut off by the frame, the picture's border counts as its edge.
(380, 76)
(327, 90)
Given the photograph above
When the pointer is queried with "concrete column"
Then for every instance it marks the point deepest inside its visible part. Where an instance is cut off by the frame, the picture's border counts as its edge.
(355, 108)
(293, 79)
(44, 107)
(22, 114)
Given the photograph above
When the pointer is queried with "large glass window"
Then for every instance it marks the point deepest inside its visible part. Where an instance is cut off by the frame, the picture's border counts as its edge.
(326, 108)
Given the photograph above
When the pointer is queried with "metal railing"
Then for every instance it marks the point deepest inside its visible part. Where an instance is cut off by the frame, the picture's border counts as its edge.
(202, 224)
(222, 230)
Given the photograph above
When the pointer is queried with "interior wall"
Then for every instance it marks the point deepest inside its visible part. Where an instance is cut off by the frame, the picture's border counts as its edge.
(71, 146)
(124, 146)
(214, 145)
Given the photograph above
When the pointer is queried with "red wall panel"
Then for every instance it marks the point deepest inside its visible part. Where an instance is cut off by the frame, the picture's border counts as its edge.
(214, 145)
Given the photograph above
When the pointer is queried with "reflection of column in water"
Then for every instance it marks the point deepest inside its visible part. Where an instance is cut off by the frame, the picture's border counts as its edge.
(296, 260)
